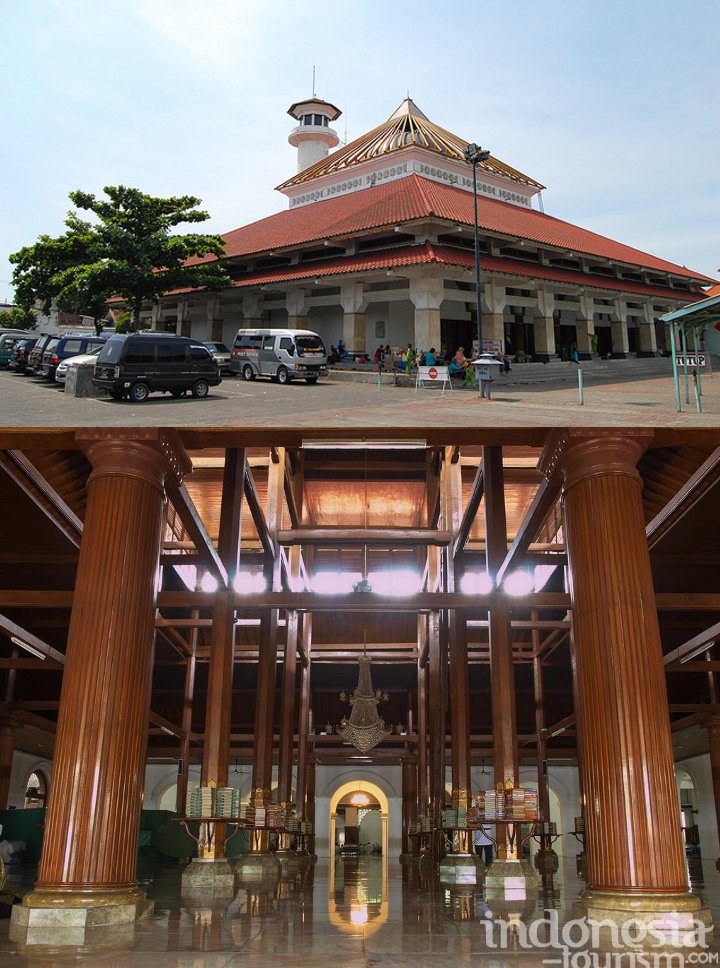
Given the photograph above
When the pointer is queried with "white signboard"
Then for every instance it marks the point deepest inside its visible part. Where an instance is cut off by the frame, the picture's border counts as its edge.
(433, 376)
(693, 359)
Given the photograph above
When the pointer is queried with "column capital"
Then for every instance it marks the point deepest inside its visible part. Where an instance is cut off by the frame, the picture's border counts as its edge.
(572, 455)
(149, 454)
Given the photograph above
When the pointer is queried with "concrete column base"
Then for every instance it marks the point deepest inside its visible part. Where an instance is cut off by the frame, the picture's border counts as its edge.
(209, 879)
(91, 920)
(510, 880)
(290, 862)
(258, 869)
(461, 869)
(676, 920)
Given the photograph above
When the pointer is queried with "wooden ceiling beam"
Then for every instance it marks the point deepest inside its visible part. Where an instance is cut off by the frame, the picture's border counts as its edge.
(690, 494)
(32, 483)
(470, 513)
(545, 497)
(256, 512)
(193, 524)
(352, 602)
(13, 630)
(704, 638)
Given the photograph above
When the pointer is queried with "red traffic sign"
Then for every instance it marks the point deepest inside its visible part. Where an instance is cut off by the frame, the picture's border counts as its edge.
(432, 373)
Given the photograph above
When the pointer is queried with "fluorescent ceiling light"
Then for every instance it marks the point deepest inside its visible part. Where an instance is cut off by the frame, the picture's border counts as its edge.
(691, 655)
(476, 583)
(388, 444)
(402, 582)
(519, 583)
(249, 582)
(28, 648)
(334, 582)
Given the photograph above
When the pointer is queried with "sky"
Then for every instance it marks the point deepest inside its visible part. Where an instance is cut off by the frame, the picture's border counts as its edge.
(612, 104)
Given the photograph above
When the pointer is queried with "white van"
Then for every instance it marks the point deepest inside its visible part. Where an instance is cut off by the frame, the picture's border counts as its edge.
(281, 354)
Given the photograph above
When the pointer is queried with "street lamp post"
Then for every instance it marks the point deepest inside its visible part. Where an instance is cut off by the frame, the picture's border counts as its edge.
(474, 154)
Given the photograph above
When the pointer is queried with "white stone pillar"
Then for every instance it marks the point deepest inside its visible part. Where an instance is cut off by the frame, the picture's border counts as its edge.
(214, 318)
(585, 327)
(647, 337)
(493, 322)
(618, 330)
(183, 326)
(354, 306)
(296, 305)
(426, 295)
(544, 327)
(252, 314)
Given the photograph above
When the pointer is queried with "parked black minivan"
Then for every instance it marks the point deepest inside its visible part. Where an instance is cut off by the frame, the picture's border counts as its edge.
(136, 364)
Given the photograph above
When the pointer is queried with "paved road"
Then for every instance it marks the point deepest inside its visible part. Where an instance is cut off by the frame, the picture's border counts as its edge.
(337, 402)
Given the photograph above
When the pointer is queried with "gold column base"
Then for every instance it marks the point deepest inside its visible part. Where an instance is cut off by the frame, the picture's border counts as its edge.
(656, 920)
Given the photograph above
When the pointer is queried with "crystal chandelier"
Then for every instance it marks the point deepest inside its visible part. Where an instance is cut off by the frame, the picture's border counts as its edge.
(364, 729)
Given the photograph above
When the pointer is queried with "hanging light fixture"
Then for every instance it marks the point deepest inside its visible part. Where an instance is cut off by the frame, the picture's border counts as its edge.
(364, 729)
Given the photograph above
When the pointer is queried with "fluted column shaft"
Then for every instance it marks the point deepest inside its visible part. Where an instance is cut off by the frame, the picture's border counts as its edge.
(93, 816)
(633, 837)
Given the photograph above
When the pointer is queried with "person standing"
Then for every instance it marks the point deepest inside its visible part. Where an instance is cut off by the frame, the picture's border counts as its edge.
(409, 359)
(483, 845)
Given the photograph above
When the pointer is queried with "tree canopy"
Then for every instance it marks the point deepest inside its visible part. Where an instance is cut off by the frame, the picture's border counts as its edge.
(128, 251)
(18, 318)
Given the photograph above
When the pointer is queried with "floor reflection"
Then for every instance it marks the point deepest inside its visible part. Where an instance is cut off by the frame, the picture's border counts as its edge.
(357, 911)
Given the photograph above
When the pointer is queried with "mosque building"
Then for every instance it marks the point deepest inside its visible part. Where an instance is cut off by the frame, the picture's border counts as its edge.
(377, 245)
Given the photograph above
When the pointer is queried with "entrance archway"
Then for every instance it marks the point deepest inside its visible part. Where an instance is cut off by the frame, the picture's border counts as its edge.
(359, 786)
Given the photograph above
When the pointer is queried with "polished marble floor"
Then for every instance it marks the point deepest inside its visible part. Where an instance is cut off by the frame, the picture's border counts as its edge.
(353, 913)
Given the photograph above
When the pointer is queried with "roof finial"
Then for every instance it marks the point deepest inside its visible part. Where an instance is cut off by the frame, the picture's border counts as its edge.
(314, 94)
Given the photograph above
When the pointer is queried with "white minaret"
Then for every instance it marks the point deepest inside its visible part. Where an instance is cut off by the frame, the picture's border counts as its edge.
(313, 137)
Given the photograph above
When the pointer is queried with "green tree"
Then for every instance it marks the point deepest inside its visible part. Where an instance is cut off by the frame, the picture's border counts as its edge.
(128, 251)
(18, 318)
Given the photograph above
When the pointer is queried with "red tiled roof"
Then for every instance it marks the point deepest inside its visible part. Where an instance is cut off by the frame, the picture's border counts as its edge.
(411, 198)
(428, 253)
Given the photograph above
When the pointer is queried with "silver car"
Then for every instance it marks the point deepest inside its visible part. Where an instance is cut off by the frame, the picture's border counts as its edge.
(221, 355)
(62, 367)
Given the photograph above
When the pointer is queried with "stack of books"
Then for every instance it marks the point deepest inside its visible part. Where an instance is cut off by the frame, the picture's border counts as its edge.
(515, 804)
(293, 825)
(426, 825)
(260, 816)
(531, 804)
(449, 818)
(275, 815)
(202, 802)
(227, 802)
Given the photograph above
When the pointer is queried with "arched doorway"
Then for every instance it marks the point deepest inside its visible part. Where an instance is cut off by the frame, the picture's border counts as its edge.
(365, 795)
(36, 790)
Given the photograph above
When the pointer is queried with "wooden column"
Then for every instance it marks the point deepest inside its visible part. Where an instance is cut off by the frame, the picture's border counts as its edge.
(502, 673)
(216, 749)
(712, 725)
(422, 730)
(267, 658)
(188, 692)
(633, 838)
(304, 718)
(436, 719)
(93, 817)
(287, 714)
(409, 800)
(457, 651)
(8, 725)
(310, 802)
